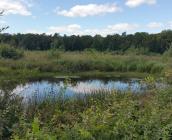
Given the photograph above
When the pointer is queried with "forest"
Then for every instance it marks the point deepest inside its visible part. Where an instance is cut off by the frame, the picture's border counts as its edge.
(143, 42)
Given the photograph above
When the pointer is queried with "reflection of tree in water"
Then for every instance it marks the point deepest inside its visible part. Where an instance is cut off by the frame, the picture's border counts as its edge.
(74, 83)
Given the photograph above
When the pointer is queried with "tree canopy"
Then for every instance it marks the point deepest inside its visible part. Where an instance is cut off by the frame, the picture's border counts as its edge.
(156, 43)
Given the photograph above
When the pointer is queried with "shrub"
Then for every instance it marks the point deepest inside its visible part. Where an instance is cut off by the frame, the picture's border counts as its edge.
(55, 53)
(9, 52)
(168, 53)
(10, 109)
(101, 116)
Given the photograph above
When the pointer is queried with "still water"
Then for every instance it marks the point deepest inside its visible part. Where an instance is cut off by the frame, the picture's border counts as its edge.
(52, 89)
(48, 88)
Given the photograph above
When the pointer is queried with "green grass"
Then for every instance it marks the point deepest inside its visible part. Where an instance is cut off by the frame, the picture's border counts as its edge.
(45, 64)
(37, 63)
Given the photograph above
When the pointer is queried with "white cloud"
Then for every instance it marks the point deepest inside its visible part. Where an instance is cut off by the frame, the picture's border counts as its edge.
(112, 29)
(75, 29)
(136, 3)
(155, 25)
(29, 3)
(15, 7)
(68, 29)
(159, 25)
(88, 10)
(33, 31)
(123, 27)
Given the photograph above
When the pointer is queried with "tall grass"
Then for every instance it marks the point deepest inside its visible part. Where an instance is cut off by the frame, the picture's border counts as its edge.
(37, 63)
(109, 63)
(9, 52)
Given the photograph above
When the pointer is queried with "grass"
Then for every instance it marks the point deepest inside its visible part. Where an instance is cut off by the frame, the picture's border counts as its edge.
(45, 64)
(38, 63)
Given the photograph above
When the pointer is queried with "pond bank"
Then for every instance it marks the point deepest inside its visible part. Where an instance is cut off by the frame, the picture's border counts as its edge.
(15, 78)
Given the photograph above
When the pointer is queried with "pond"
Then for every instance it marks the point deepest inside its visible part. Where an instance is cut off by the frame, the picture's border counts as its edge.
(52, 88)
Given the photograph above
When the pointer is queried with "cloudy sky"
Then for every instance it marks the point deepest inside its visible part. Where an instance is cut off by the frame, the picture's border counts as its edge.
(86, 16)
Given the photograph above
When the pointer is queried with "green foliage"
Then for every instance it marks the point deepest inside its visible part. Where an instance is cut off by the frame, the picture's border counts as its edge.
(144, 43)
(168, 53)
(90, 50)
(57, 44)
(108, 63)
(54, 53)
(101, 116)
(9, 52)
(35, 133)
(137, 51)
(10, 110)
(150, 82)
(36, 64)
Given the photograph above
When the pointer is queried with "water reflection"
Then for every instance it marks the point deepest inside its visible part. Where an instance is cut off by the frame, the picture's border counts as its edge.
(76, 87)
(51, 89)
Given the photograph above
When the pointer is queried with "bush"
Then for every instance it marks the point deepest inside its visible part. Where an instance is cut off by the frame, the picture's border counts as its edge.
(10, 109)
(54, 53)
(168, 53)
(9, 52)
(101, 116)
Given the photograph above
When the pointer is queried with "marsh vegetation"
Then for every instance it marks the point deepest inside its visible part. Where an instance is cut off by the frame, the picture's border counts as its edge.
(30, 62)
(98, 115)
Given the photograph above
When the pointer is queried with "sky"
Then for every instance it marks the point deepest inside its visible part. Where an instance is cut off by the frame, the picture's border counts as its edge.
(86, 17)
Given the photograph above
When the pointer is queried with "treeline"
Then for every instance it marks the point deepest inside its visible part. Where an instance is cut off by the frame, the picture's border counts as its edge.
(155, 43)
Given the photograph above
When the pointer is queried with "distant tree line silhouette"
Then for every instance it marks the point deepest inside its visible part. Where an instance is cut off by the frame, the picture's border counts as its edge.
(156, 43)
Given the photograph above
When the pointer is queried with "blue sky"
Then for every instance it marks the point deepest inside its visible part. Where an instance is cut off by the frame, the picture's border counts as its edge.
(86, 16)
